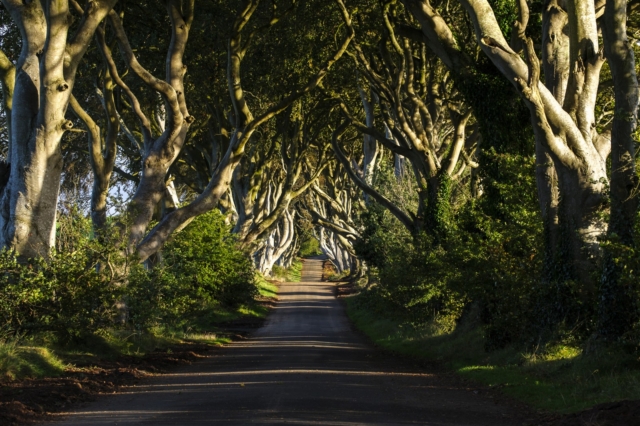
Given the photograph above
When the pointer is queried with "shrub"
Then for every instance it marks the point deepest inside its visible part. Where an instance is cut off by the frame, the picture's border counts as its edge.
(201, 267)
(71, 293)
(310, 247)
(491, 258)
(86, 283)
(205, 254)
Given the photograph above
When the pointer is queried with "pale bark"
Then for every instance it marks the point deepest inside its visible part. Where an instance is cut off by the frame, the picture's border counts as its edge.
(295, 157)
(244, 129)
(370, 145)
(438, 35)
(159, 154)
(287, 258)
(332, 211)
(44, 81)
(342, 257)
(253, 187)
(399, 161)
(7, 82)
(555, 50)
(423, 123)
(403, 217)
(617, 307)
(276, 244)
(562, 113)
(624, 182)
(567, 130)
(102, 150)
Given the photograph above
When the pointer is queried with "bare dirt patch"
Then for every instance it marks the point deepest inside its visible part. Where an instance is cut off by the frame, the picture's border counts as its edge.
(346, 290)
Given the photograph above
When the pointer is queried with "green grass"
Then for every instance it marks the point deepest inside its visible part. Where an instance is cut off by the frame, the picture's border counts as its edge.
(40, 356)
(266, 288)
(562, 379)
(18, 361)
(293, 274)
(213, 318)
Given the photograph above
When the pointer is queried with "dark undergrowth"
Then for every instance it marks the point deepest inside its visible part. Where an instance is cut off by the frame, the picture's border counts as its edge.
(43, 355)
(563, 378)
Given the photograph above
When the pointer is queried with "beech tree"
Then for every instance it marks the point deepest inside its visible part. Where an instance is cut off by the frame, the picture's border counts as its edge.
(159, 136)
(244, 124)
(572, 146)
(401, 136)
(334, 204)
(41, 85)
(424, 122)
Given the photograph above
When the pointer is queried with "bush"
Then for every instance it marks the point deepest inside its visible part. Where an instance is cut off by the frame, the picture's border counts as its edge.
(201, 266)
(411, 274)
(71, 293)
(206, 256)
(86, 283)
(310, 247)
(486, 260)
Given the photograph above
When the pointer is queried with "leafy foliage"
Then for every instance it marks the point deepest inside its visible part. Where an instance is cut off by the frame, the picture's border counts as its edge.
(71, 293)
(309, 247)
(89, 286)
(202, 267)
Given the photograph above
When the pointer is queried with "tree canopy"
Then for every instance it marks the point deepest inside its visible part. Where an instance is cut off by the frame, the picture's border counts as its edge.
(449, 154)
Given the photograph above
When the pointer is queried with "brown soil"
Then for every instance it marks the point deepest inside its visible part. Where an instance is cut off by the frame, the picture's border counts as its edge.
(346, 289)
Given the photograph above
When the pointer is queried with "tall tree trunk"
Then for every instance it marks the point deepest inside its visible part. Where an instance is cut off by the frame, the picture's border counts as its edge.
(7, 82)
(245, 126)
(582, 203)
(102, 151)
(549, 198)
(44, 81)
(370, 145)
(617, 312)
(20, 203)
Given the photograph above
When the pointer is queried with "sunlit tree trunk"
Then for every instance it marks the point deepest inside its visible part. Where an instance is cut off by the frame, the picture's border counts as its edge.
(45, 75)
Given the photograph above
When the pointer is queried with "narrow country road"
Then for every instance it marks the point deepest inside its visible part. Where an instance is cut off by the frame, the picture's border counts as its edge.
(304, 367)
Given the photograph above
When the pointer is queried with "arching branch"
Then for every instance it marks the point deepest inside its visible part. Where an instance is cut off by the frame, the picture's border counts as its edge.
(399, 214)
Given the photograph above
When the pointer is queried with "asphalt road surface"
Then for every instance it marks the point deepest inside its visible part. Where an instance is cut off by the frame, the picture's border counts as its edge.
(304, 367)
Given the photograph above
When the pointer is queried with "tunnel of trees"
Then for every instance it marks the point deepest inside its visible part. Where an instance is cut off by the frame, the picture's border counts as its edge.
(448, 156)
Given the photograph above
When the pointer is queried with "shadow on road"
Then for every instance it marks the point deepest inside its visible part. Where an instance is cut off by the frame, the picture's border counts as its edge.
(305, 366)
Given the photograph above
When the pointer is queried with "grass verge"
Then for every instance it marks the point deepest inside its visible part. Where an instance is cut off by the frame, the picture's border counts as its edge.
(41, 356)
(562, 379)
(292, 274)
